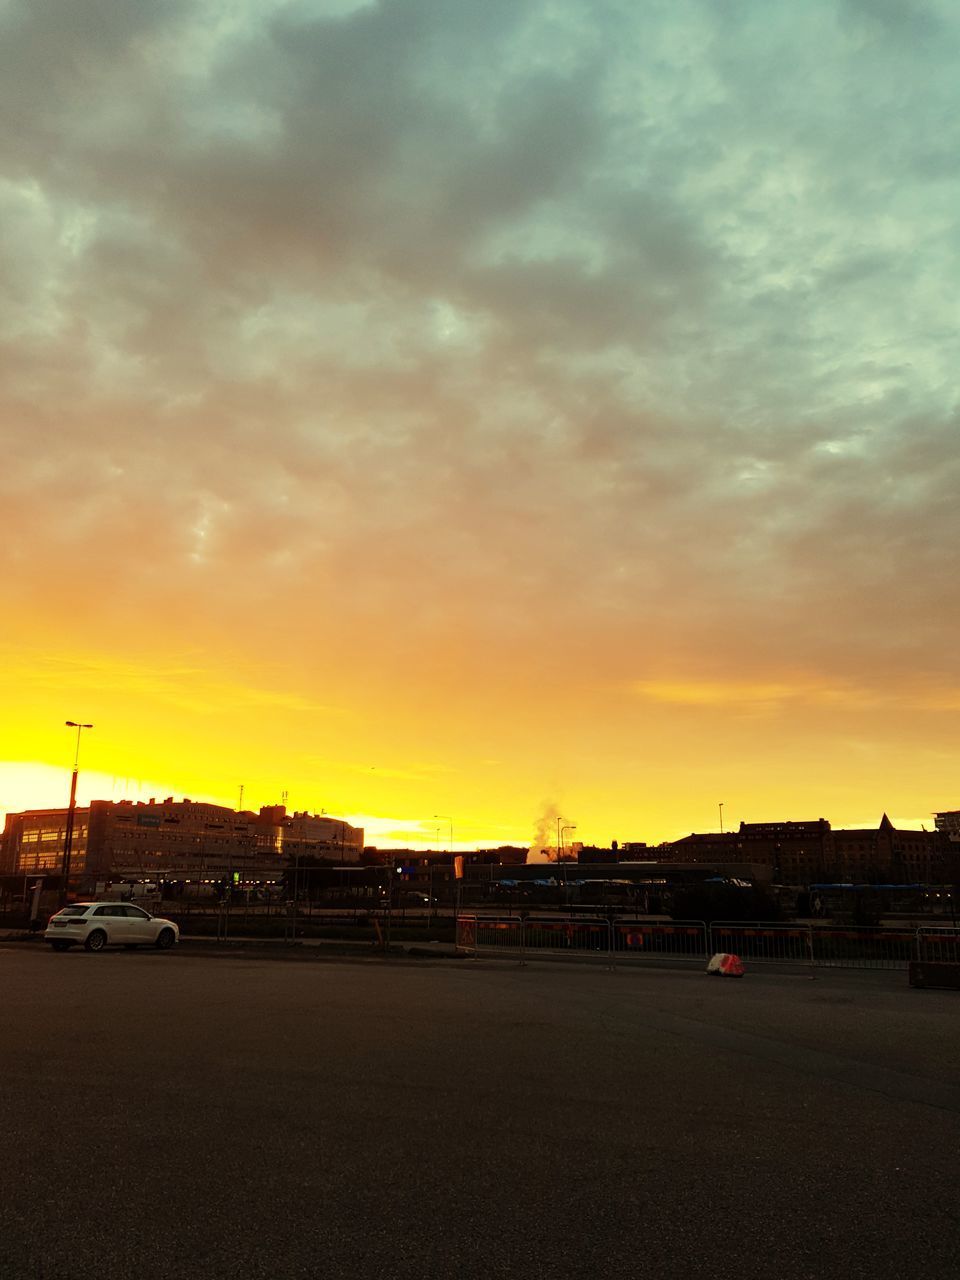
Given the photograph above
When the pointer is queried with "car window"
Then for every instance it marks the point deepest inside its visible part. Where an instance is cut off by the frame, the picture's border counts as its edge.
(73, 911)
(136, 913)
(105, 911)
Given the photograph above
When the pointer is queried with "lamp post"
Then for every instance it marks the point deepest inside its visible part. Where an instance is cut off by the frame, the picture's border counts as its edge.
(571, 826)
(721, 817)
(445, 817)
(71, 811)
(431, 869)
(561, 878)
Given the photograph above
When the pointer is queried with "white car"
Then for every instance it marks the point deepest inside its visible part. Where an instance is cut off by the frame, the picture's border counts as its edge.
(101, 924)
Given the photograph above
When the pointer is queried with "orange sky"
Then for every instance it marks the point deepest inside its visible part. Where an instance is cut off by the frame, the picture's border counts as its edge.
(622, 759)
(482, 411)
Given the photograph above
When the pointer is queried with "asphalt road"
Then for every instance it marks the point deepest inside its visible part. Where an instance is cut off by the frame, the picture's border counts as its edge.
(183, 1116)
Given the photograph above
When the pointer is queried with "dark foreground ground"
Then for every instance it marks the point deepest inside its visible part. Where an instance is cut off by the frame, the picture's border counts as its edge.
(179, 1116)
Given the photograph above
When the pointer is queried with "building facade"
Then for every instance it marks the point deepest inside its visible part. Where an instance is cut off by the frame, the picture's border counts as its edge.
(812, 852)
(32, 842)
(172, 840)
(948, 822)
(885, 854)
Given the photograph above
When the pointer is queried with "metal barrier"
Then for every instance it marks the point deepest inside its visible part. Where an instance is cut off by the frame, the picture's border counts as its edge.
(500, 935)
(652, 940)
(938, 944)
(756, 941)
(550, 937)
(822, 946)
(584, 937)
(862, 947)
(566, 937)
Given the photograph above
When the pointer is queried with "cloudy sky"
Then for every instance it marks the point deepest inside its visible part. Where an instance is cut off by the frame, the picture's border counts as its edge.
(483, 409)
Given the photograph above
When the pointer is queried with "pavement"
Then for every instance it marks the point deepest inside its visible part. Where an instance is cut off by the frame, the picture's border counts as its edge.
(164, 1116)
(277, 948)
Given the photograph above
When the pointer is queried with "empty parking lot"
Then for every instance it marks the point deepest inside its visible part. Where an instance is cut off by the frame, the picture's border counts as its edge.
(179, 1115)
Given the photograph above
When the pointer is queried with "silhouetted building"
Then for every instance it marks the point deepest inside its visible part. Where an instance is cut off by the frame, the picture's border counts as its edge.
(171, 840)
(700, 847)
(797, 852)
(811, 852)
(588, 854)
(948, 822)
(431, 871)
(886, 855)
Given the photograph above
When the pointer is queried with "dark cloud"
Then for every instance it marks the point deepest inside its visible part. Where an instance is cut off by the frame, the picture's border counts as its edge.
(491, 305)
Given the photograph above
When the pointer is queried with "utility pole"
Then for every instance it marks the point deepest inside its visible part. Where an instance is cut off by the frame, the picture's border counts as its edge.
(71, 812)
(445, 817)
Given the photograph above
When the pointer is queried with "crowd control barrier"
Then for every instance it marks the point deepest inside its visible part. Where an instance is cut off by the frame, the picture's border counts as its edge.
(860, 947)
(617, 940)
(938, 944)
(756, 941)
(646, 940)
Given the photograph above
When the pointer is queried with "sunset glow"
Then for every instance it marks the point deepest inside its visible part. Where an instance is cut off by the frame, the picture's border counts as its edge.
(424, 408)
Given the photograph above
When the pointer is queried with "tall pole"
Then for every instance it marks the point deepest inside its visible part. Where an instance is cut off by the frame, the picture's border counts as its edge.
(721, 817)
(561, 876)
(445, 817)
(71, 812)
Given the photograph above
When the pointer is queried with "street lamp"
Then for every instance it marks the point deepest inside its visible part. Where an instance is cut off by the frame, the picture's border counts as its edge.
(71, 811)
(445, 817)
(561, 877)
(572, 826)
(560, 831)
(721, 817)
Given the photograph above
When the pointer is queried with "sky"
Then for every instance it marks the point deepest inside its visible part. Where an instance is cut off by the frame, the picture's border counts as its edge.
(502, 411)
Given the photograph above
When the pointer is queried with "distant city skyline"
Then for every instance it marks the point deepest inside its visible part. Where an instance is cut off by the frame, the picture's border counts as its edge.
(383, 831)
(486, 410)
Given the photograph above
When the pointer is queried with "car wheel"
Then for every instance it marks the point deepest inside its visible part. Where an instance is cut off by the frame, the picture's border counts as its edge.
(165, 939)
(60, 946)
(96, 941)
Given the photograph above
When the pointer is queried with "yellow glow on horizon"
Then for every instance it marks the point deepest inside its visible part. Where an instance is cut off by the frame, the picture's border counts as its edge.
(388, 753)
(31, 785)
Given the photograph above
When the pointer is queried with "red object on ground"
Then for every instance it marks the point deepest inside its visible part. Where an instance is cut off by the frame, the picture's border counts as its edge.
(726, 965)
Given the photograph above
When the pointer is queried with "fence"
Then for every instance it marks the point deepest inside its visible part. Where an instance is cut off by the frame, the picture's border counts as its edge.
(938, 944)
(758, 942)
(643, 940)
